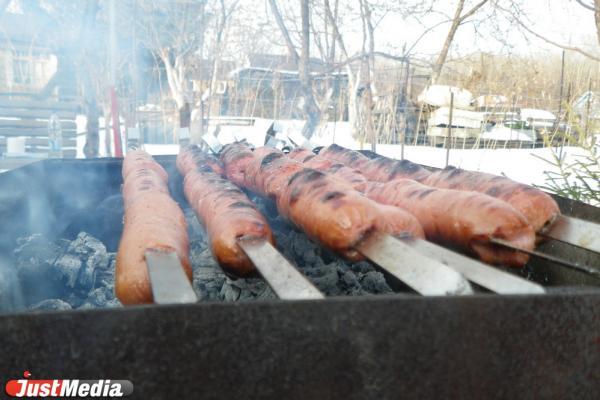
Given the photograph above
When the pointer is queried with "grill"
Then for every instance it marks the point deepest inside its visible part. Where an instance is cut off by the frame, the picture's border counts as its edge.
(386, 346)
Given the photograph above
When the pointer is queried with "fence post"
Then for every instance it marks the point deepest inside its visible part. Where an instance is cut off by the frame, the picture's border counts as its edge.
(449, 140)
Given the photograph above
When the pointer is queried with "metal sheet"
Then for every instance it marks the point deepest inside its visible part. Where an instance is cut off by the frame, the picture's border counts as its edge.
(170, 284)
(425, 275)
(282, 277)
(370, 347)
(482, 274)
(561, 261)
(212, 142)
(576, 232)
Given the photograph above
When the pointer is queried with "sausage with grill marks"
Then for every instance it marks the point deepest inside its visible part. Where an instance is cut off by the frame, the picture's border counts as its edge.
(227, 215)
(325, 208)
(235, 158)
(462, 219)
(153, 221)
(538, 207)
(192, 157)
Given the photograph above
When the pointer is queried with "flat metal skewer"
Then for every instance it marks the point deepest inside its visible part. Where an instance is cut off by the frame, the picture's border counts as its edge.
(581, 268)
(285, 280)
(482, 274)
(425, 275)
(170, 284)
(575, 231)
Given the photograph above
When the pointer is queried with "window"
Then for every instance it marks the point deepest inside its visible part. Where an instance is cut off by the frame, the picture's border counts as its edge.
(21, 71)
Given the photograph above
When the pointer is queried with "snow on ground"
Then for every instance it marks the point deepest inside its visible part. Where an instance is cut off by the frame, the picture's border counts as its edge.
(523, 165)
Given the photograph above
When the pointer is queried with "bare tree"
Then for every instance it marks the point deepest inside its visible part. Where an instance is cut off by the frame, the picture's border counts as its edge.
(225, 13)
(517, 16)
(310, 109)
(459, 18)
(174, 32)
(368, 60)
(593, 5)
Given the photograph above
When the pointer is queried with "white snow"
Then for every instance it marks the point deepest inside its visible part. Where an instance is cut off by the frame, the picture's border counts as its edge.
(439, 96)
(522, 165)
(462, 118)
(501, 132)
(534, 113)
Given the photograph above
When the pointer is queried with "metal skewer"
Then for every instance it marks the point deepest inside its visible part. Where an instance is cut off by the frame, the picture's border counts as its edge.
(575, 231)
(484, 275)
(282, 277)
(581, 268)
(169, 283)
(425, 275)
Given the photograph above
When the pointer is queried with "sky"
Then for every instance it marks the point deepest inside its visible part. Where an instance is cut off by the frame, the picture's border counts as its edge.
(563, 21)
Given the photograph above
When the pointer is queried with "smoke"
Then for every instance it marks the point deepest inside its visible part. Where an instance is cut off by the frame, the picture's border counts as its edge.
(11, 295)
(44, 206)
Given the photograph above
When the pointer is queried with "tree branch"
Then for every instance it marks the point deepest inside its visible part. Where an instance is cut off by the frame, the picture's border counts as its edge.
(472, 10)
(549, 41)
(284, 31)
(585, 5)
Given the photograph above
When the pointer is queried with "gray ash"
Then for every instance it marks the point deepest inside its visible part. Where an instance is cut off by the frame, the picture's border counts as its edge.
(63, 274)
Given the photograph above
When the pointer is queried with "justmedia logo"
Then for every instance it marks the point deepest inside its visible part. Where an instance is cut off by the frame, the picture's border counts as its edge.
(57, 388)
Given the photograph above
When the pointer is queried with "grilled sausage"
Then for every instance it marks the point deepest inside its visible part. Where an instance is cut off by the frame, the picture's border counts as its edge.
(137, 160)
(537, 207)
(326, 209)
(227, 215)
(153, 221)
(462, 219)
(192, 157)
(236, 157)
(466, 220)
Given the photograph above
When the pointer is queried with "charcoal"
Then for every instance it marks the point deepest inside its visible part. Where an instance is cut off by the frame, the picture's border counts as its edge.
(266, 294)
(326, 279)
(374, 282)
(88, 245)
(362, 267)
(101, 297)
(80, 273)
(230, 292)
(66, 270)
(350, 279)
(200, 255)
(106, 276)
(207, 282)
(195, 230)
(51, 305)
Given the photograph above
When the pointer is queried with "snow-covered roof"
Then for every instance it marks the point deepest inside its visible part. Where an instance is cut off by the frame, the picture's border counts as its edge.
(439, 96)
(534, 113)
(462, 118)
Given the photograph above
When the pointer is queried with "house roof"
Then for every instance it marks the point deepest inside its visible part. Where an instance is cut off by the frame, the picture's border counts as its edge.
(281, 62)
(202, 70)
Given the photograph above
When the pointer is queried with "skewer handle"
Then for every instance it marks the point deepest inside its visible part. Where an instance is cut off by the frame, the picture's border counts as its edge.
(169, 282)
(423, 274)
(282, 277)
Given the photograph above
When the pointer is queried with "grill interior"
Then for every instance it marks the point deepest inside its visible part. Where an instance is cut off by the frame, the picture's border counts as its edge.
(352, 347)
(65, 225)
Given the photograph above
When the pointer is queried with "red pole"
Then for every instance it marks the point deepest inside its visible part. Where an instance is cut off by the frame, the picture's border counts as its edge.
(116, 126)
